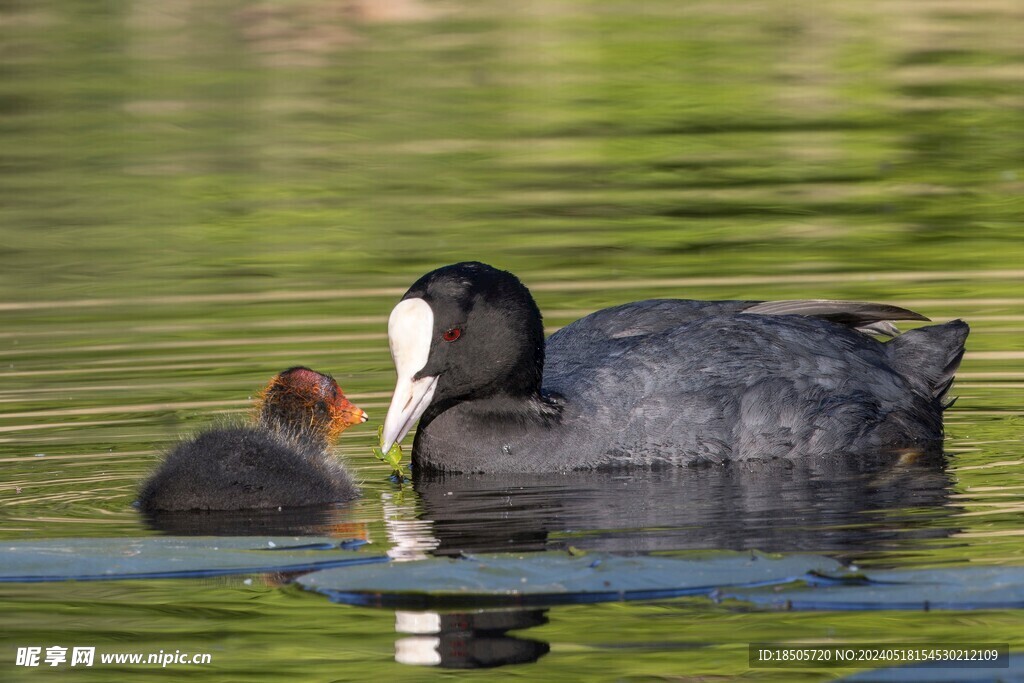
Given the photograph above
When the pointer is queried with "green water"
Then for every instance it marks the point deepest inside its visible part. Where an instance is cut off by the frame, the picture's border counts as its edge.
(194, 196)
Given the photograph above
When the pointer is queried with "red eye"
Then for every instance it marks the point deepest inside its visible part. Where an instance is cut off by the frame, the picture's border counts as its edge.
(452, 334)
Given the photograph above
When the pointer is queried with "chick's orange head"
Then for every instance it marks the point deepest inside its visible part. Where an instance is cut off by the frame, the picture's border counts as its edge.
(303, 399)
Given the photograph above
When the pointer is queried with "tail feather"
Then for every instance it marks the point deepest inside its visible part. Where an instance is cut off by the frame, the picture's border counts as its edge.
(943, 391)
(930, 356)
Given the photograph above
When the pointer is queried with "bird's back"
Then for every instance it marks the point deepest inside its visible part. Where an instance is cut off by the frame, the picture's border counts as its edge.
(667, 381)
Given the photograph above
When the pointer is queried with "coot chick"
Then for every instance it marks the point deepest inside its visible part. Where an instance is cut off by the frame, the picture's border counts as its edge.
(654, 383)
(281, 461)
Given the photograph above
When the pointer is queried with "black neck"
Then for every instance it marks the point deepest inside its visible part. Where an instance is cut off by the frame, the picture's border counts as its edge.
(524, 408)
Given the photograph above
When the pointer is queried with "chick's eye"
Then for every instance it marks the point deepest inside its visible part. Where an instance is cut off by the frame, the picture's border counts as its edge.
(452, 334)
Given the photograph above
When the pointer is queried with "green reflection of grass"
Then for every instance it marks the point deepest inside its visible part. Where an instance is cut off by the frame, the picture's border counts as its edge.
(261, 632)
(557, 142)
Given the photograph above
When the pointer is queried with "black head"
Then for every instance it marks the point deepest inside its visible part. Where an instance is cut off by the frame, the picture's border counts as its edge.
(488, 333)
(462, 332)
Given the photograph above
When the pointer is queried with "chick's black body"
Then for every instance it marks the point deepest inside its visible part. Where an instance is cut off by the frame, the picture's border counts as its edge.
(671, 382)
(239, 468)
(281, 461)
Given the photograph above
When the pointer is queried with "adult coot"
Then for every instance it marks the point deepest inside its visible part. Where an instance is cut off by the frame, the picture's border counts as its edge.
(658, 382)
(281, 461)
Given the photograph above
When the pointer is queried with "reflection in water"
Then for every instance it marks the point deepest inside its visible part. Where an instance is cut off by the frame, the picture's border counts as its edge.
(841, 507)
(458, 640)
(468, 640)
(410, 538)
(845, 508)
(334, 521)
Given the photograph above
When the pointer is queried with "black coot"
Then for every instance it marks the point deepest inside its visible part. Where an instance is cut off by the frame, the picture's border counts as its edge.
(658, 382)
(283, 460)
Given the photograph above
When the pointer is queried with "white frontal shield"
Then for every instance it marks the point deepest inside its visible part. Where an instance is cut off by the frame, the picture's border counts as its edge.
(410, 329)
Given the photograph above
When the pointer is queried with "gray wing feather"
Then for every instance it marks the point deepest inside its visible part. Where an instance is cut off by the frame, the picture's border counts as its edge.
(864, 316)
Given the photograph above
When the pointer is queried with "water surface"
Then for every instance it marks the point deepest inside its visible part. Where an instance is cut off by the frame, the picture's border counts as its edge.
(195, 197)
